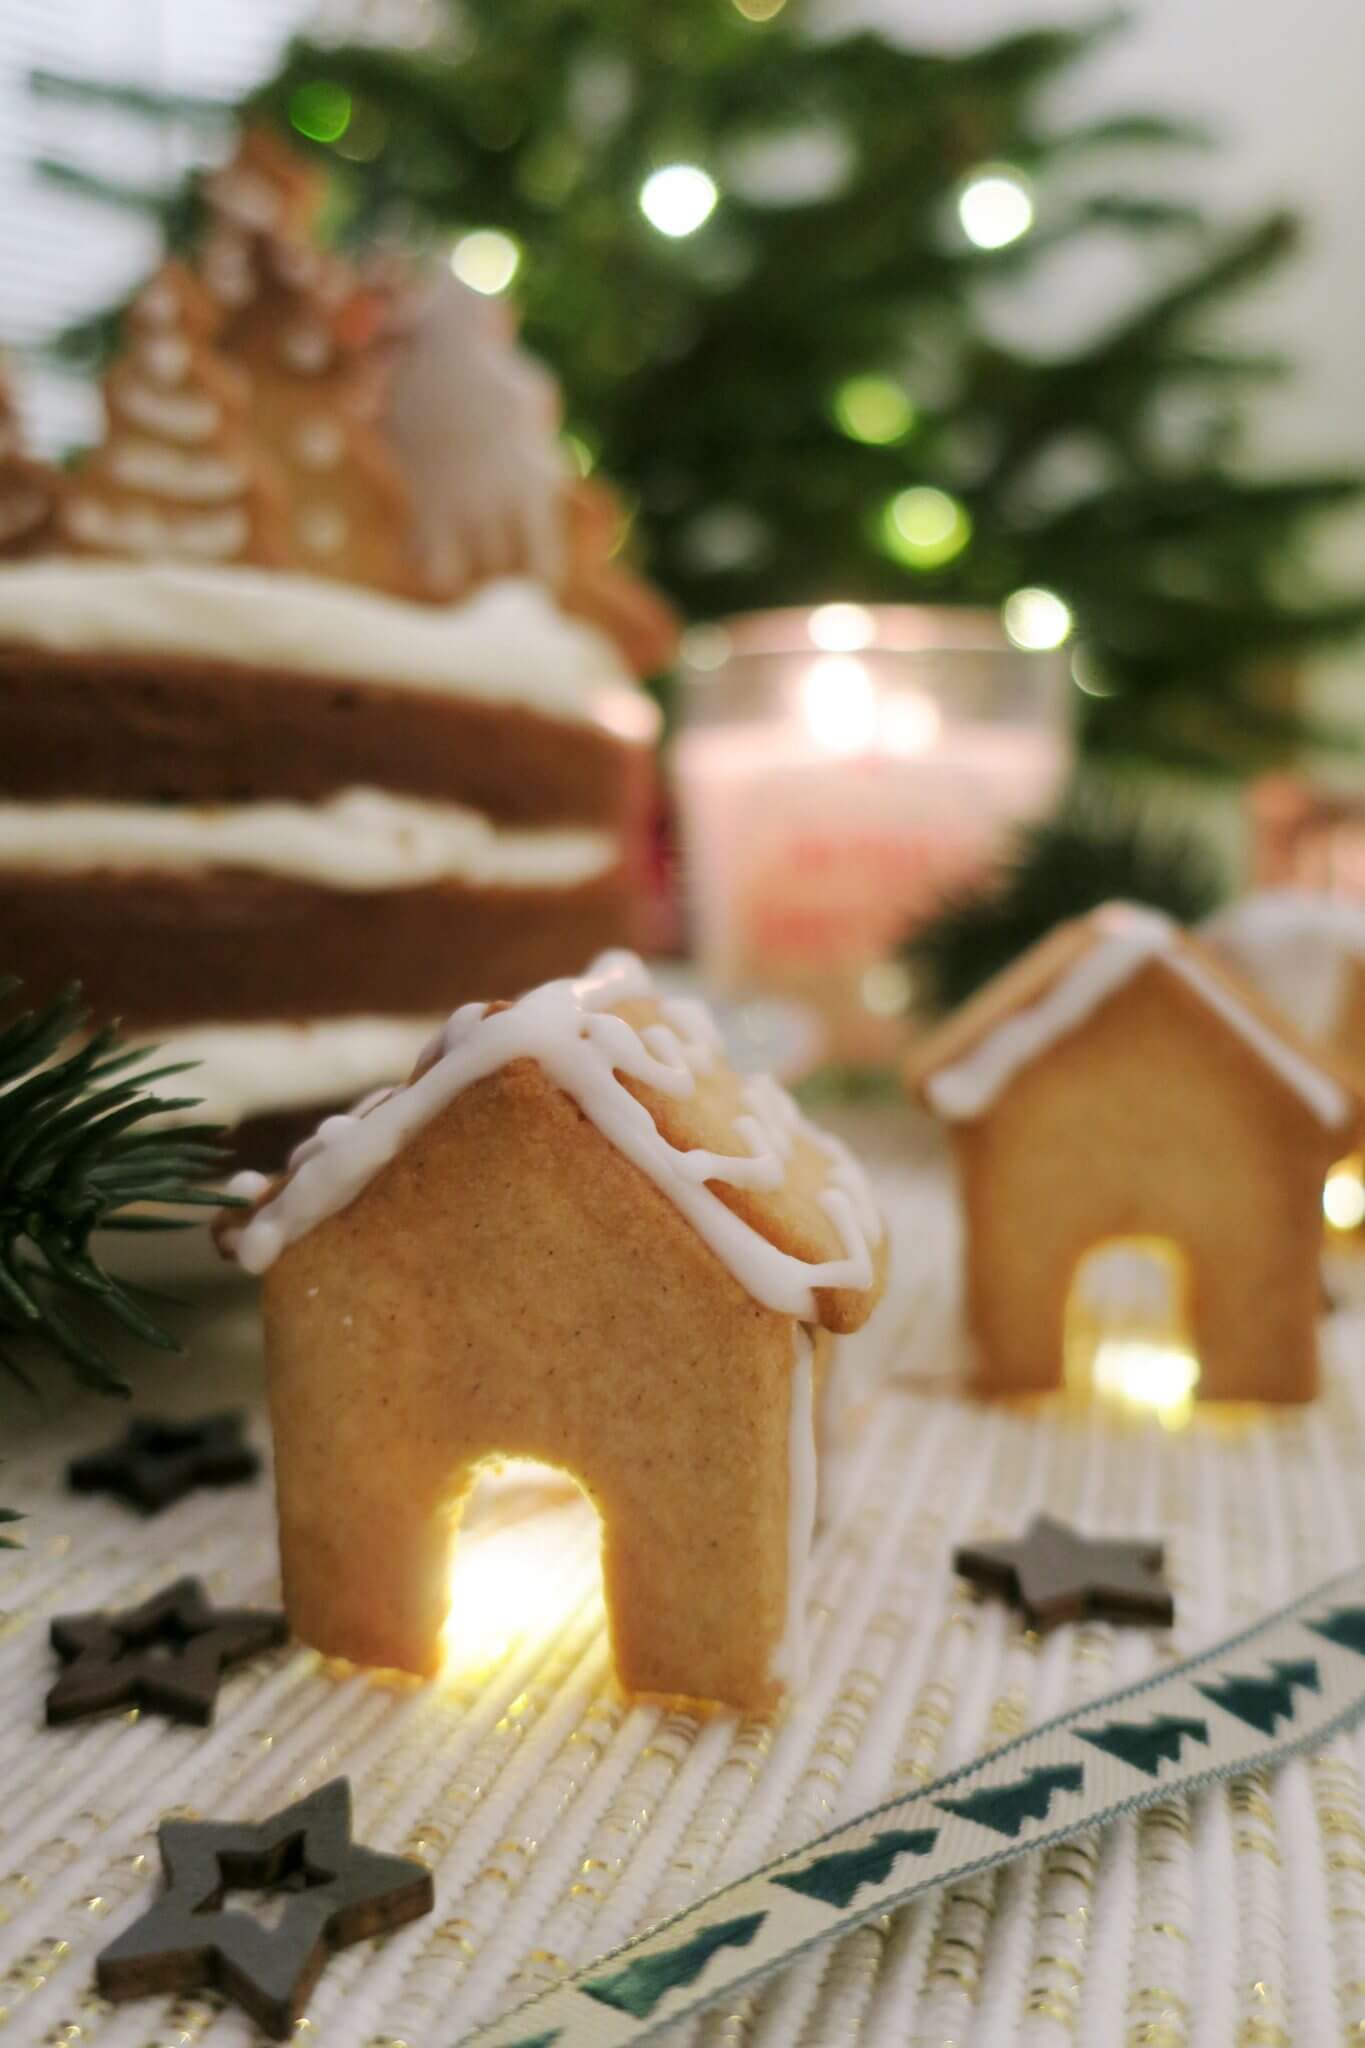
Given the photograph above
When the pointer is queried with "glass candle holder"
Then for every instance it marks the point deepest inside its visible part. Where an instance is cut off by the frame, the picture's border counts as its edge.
(838, 771)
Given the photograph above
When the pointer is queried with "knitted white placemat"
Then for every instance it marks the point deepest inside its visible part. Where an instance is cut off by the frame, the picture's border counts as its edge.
(557, 1821)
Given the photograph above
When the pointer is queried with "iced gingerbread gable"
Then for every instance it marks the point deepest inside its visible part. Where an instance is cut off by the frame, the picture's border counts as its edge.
(576, 1235)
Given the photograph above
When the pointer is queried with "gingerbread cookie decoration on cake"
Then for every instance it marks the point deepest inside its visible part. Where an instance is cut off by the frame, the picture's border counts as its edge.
(1118, 1083)
(178, 475)
(575, 1235)
(29, 490)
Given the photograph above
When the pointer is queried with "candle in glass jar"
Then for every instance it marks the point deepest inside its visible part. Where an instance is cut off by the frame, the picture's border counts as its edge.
(836, 812)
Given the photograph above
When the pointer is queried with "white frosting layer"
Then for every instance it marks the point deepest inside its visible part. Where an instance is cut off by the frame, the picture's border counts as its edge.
(1296, 946)
(360, 839)
(789, 1658)
(509, 643)
(567, 1027)
(1130, 939)
(246, 1070)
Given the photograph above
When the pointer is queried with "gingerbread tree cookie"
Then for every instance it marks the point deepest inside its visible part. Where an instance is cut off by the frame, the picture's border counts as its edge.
(28, 489)
(306, 333)
(178, 475)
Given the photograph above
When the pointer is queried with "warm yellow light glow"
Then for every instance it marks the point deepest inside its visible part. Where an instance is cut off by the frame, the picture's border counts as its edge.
(759, 10)
(924, 527)
(1125, 1329)
(841, 628)
(1146, 1374)
(995, 206)
(839, 704)
(1343, 1196)
(678, 199)
(1035, 618)
(486, 260)
(874, 410)
(511, 1583)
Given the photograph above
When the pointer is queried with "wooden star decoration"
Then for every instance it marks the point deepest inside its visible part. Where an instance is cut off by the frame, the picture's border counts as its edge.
(1055, 1574)
(336, 1893)
(169, 1655)
(156, 1462)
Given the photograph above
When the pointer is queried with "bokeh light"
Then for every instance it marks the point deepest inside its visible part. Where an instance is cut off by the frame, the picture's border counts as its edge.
(678, 198)
(995, 206)
(1343, 1195)
(839, 704)
(1035, 618)
(841, 628)
(925, 527)
(874, 410)
(321, 110)
(486, 260)
(759, 10)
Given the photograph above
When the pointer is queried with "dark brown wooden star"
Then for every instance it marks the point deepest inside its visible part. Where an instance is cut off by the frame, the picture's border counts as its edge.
(156, 1462)
(168, 1655)
(1057, 1575)
(336, 1893)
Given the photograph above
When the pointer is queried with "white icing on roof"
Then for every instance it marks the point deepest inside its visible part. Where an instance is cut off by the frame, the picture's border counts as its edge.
(569, 1029)
(1128, 938)
(1296, 945)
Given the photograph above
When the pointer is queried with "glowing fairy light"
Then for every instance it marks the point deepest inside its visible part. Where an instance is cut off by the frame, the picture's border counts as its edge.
(995, 206)
(841, 628)
(839, 704)
(512, 1581)
(321, 110)
(1343, 1195)
(925, 527)
(486, 260)
(874, 410)
(1149, 1374)
(1036, 619)
(678, 199)
(759, 10)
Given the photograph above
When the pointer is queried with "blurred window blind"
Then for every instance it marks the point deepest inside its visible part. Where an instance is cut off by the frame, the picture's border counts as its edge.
(63, 254)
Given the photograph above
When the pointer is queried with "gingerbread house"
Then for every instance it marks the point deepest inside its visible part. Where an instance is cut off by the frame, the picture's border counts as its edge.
(1305, 951)
(1116, 1084)
(576, 1235)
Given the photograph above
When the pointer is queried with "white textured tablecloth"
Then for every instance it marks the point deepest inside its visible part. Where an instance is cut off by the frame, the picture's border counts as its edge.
(557, 1820)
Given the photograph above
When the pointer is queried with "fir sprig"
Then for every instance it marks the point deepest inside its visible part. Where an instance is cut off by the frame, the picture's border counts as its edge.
(1087, 855)
(80, 1152)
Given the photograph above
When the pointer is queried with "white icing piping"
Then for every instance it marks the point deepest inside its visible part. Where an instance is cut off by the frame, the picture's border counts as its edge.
(360, 839)
(1129, 938)
(507, 644)
(193, 478)
(138, 530)
(789, 1658)
(568, 1029)
(186, 416)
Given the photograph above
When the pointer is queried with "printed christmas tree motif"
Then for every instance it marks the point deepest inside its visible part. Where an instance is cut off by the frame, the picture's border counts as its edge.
(29, 490)
(1006, 1807)
(1146, 1745)
(309, 337)
(641, 1986)
(1263, 1702)
(1344, 1625)
(177, 475)
(838, 1877)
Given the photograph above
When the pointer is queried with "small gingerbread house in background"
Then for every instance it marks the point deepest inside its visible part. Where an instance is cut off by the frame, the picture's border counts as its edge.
(1118, 1084)
(1305, 951)
(576, 1235)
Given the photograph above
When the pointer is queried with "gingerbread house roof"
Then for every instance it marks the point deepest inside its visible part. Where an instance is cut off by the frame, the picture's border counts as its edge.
(783, 1205)
(1297, 945)
(965, 1066)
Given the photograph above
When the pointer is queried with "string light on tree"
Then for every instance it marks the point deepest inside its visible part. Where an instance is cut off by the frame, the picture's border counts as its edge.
(925, 527)
(1343, 1196)
(1036, 619)
(759, 10)
(678, 199)
(321, 110)
(874, 410)
(839, 704)
(995, 206)
(486, 260)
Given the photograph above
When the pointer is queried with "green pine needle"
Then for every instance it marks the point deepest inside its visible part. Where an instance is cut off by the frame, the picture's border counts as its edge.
(78, 1150)
(1084, 856)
